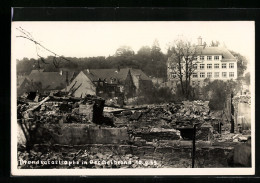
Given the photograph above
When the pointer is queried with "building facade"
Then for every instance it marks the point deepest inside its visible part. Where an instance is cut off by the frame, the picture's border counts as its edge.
(209, 63)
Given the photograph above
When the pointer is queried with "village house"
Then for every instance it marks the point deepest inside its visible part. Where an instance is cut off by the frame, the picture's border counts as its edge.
(109, 83)
(211, 63)
(44, 82)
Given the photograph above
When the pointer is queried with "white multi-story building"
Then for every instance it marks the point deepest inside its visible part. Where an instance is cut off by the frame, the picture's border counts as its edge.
(209, 62)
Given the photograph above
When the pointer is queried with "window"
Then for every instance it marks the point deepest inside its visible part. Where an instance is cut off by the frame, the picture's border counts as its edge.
(224, 66)
(193, 83)
(201, 57)
(209, 66)
(224, 74)
(201, 66)
(209, 57)
(216, 57)
(216, 66)
(231, 74)
(194, 75)
(202, 75)
(216, 74)
(209, 75)
(195, 66)
(231, 65)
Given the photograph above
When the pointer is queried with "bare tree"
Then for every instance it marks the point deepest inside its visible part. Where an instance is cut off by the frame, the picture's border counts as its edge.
(183, 63)
(57, 59)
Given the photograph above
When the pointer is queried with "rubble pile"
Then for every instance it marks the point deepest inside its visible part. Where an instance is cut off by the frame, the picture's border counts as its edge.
(141, 120)
(242, 99)
(62, 109)
(231, 137)
(153, 131)
(167, 116)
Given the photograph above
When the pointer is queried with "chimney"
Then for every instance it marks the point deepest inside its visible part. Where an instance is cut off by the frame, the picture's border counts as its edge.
(199, 41)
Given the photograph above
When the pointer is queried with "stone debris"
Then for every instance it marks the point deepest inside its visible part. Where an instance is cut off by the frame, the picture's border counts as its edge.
(152, 128)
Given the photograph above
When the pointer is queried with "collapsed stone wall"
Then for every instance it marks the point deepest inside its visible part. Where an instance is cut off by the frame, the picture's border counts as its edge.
(152, 133)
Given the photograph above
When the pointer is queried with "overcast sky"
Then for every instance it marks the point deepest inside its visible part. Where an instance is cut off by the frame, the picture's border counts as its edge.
(87, 39)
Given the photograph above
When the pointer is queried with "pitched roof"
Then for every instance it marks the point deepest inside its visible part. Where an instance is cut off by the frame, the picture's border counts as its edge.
(139, 72)
(49, 80)
(215, 51)
(120, 75)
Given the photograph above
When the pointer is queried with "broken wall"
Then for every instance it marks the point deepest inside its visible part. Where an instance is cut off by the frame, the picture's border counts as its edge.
(78, 134)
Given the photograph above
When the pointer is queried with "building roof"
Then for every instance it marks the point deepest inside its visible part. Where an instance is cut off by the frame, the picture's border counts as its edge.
(120, 75)
(49, 80)
(227, 56)
(139, 72)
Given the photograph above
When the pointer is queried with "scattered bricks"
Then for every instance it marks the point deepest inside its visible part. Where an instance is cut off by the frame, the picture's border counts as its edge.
(163, 150)
(148, 150)
(136, 116)
(143, 142)
(75, 111)
(139, 152)
(95, 149)
(124, 149)
(109, 148)
(167, 118)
